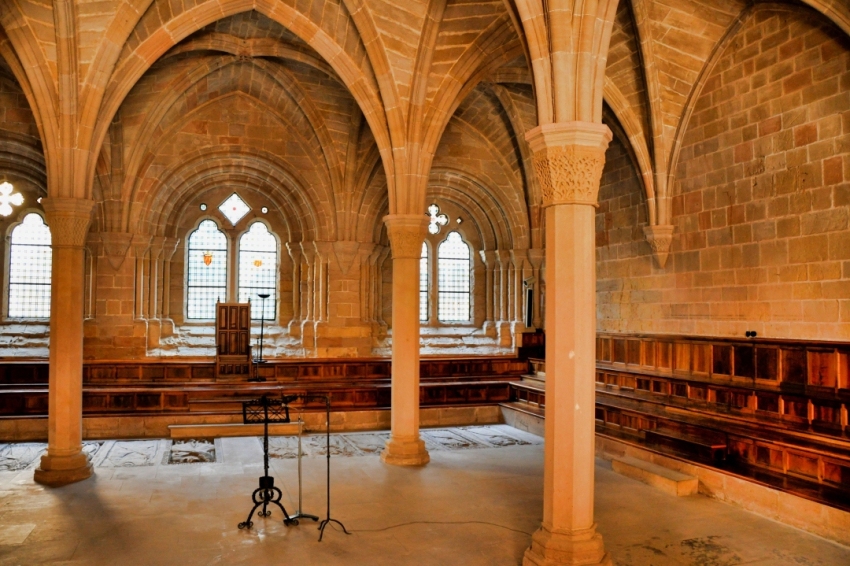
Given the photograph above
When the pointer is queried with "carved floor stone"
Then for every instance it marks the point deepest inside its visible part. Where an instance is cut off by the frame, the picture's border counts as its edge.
(192, 451)
(19, 456)
(368, 443)
(129, 453)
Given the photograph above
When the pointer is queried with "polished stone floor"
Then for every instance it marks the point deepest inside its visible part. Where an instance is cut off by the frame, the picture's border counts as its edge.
(477, 502)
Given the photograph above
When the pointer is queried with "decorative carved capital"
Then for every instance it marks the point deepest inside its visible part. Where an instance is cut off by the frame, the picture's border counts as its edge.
(660, 239)
(568, 161)
(69, 220)
(406, 233)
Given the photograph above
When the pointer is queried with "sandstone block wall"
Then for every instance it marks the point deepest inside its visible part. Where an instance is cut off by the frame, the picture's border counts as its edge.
(761, 202)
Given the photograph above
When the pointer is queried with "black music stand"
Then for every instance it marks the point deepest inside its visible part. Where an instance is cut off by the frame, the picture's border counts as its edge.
(327, 520)
(265, 410)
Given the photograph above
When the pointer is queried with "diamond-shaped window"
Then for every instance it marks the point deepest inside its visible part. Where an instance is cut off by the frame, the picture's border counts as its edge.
(234, 208)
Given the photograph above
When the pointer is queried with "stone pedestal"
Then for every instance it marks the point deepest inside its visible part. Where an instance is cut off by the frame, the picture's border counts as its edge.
(65, 462)
(406, 233)
(568, 161)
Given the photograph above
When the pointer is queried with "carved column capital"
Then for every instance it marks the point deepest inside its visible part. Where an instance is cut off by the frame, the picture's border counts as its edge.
(489, 258)
(69, 220)
(141, 245)
(660, 239)
(169, 246)
(568, 160)
(294, 249)
(406, 233)
(536, 257)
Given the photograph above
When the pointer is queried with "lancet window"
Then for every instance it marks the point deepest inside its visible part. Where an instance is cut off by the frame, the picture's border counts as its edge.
(258, 270)
(30, 264)
(206, 270)
(453, 287)
(445, 282)
(424, 277)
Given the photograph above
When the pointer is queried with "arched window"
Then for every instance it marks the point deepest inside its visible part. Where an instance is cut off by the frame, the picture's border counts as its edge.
(30, 263)
(453, 286)
(258, 270)
(423, 284)
(207, 270)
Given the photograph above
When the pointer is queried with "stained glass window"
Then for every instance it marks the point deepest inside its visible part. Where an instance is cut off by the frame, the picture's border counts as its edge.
(30, 263)
(453, 262)
(207, 270)
(258, 270)
(423, 284)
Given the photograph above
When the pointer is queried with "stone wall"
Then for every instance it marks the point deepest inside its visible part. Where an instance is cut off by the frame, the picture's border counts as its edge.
(761, 202)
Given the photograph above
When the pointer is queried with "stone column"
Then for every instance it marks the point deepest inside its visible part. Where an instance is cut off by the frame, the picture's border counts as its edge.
(406, 233)
(65, 461)
(489, 259)
(295, 253)
(568, 161)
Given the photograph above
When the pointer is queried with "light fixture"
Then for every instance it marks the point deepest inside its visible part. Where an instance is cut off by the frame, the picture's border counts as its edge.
(7, 198)
(203, 206)
(264, 210)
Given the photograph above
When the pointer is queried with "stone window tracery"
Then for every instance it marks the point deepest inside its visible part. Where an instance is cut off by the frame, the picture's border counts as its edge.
(258, 270)
(30, 264)
(206, 270)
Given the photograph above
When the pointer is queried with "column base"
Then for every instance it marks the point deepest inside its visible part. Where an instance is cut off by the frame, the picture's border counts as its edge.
(405, 453)
(56, 471)
(575, 548)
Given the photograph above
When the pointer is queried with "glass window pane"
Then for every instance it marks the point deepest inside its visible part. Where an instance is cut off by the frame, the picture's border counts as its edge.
(30, 263)
(453, 262)
(423, 284)
(206, 271)
(258, 270)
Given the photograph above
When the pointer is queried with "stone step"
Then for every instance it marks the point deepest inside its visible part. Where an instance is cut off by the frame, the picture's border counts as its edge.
(665, 479)
(523, 416)
(218, 430)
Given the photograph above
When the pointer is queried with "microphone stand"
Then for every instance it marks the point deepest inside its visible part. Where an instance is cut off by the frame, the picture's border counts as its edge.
(327, 520)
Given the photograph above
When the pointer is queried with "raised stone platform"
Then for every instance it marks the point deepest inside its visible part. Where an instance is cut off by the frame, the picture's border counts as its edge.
(665, 479)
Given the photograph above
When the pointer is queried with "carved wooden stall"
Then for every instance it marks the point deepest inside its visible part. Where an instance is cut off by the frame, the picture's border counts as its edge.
(773, 411)
(232, 340)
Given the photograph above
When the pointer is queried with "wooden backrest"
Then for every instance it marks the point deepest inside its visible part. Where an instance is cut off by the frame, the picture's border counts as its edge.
(233, 329)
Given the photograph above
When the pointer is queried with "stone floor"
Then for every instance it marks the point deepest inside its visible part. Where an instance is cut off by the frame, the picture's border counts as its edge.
(477, 502)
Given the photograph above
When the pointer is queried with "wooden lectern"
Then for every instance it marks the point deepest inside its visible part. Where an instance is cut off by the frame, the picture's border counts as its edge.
(233, 340)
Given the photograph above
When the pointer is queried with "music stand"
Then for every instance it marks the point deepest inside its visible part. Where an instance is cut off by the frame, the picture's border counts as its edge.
(265, 410)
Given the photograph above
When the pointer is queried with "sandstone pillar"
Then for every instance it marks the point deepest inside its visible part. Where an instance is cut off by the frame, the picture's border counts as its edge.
(568, 160)
(406, 233)
(65, 461)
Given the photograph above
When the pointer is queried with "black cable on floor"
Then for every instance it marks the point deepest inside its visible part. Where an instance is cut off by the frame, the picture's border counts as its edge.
(440, 523)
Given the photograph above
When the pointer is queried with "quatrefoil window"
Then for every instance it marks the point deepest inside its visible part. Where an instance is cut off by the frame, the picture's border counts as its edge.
(437, 219)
